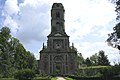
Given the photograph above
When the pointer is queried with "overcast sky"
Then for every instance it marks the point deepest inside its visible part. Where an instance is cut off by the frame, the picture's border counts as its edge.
(87, 22)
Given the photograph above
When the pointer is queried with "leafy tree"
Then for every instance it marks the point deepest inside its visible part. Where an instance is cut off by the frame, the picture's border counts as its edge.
(13, 55)
(94, 59)
(117, 3)
(80, 60)
(88, 62)
(114, 38)
(102, 59)
(22, 59)
(6, 53)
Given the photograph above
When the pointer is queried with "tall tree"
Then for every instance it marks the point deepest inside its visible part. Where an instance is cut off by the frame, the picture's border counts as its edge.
(13, 55)
(6, 54)
(102, 59)
(88, 62)
(80, 60)
(94, 59)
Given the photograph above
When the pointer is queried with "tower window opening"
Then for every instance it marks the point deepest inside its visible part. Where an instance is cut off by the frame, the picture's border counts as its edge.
(57, 15)
(57, 5)
(57, 23)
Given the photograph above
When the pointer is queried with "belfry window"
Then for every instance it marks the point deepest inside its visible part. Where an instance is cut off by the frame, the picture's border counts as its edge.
(57, 23)
(57, 15)
(57, 5)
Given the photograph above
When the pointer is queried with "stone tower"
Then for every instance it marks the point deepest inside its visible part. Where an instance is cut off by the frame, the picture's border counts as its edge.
(58, 57)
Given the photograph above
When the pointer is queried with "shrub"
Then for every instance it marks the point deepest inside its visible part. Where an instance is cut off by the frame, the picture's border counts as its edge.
(24, 74)
(95, 71)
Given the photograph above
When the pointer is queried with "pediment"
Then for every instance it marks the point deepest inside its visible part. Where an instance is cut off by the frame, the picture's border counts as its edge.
(58, 34)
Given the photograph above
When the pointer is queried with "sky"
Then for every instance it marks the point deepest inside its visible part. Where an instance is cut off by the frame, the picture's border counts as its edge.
(87, 22)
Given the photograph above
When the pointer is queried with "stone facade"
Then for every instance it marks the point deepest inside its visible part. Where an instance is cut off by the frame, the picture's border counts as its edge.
(58, 57)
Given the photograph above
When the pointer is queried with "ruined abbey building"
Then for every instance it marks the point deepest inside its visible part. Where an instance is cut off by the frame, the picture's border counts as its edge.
(58, 58)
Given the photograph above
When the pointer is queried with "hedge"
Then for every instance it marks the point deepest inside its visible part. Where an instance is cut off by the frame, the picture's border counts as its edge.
(95, 71)
(94, 78)
(25, 74)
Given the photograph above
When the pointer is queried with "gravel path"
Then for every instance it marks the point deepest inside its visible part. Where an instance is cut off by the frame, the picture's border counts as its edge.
(60, 78)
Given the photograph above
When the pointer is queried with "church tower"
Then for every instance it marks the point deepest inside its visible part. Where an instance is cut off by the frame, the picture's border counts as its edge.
(57, 22)
(58, 57)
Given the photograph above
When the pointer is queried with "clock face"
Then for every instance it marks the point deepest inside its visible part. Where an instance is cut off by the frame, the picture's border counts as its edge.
(58, 44)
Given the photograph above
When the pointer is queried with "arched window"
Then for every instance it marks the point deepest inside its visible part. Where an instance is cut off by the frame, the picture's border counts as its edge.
(57, 23)
(57, 15)
(57, 5)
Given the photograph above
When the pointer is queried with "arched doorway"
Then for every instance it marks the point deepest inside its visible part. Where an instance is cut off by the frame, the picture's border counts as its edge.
(58, 65)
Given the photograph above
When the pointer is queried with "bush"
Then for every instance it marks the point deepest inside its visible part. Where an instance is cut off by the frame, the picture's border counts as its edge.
(42, 78)
(25, 74)
(7, 79)
(95, 71)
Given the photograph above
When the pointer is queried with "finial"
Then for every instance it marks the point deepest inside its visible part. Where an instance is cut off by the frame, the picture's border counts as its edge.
(72, 45)
(43, 46)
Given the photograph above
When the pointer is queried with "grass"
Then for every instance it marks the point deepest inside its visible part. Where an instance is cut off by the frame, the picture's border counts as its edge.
(54, 78)
(42, 78)
(7, 79)
(36, 78)
(93, 67)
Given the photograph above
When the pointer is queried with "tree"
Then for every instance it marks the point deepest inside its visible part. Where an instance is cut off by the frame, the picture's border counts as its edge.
(6, 53)
(102, 59)
(22, 59)
(80, 60)
(94, 59)
(88, 62)
(114, 38)
(13, 55)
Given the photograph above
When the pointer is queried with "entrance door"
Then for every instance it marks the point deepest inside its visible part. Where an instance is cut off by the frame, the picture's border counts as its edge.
(58, 65)
(58, 68)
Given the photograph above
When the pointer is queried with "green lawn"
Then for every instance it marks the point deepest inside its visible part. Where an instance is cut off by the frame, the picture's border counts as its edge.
(36, 78)
(54, 78)
(7, 79)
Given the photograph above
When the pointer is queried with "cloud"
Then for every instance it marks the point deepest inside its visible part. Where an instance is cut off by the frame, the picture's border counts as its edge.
(87, 22)
(87, 49)
(11, 7)
(32, 22)
(20, 1)
(87, 14)
(2, 3)
(10, 11)
(11, 23)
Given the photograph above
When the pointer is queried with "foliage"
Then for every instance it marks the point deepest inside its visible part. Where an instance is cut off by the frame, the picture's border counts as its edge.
(98, 59)
(13, 55)
(80, 60)
(54, 78)
(88, 62)
(93, 78)
(94, 71)
(117, 30)
(102, 59)
(116, 69)
(114, 37)
(117, 3)
(44, 78)
(6, 53)
(25, 74)
(7, 79)
(94, 59)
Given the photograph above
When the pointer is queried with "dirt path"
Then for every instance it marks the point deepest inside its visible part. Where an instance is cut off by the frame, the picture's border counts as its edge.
(60, 78)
